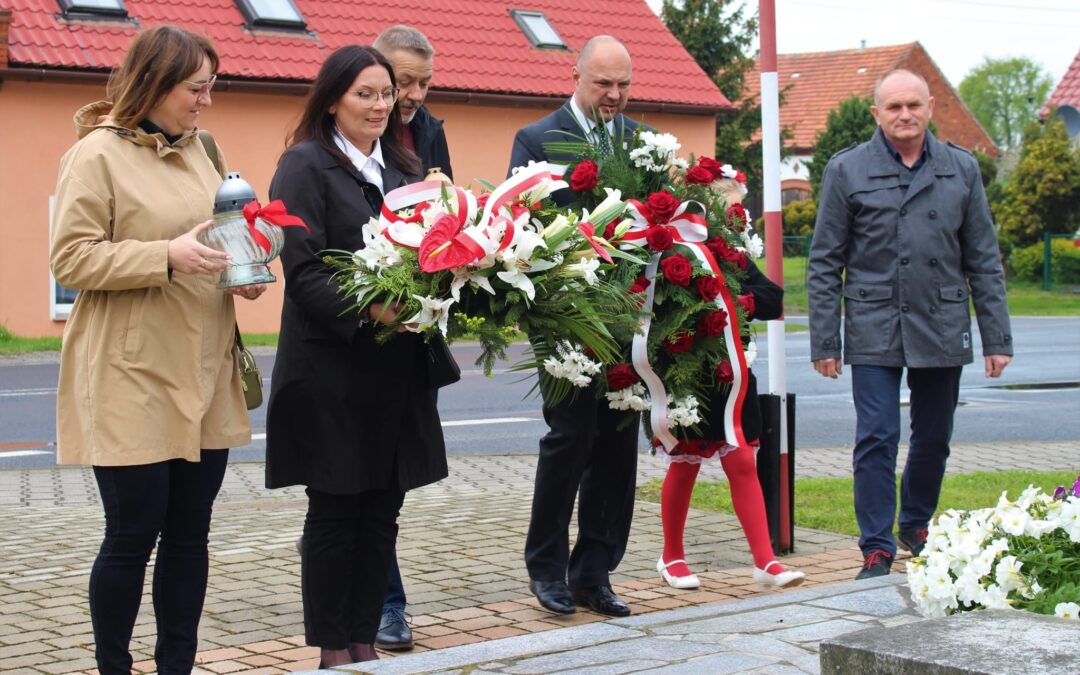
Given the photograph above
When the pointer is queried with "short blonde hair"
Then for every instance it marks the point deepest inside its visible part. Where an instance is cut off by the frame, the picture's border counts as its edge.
(158, 60)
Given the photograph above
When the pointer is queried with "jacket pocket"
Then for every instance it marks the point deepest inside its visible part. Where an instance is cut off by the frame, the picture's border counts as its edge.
(869, 318)
(133, 331)
(955, 320)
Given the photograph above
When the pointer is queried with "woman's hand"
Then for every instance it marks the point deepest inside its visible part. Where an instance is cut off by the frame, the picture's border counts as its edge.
(187, 255)
(386, 314)
(247, 292)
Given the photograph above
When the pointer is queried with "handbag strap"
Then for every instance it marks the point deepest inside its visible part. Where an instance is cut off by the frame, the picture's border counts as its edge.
(239, 340)
(210, 146)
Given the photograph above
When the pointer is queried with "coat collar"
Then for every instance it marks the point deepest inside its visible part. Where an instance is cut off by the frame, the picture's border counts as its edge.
(882, 164)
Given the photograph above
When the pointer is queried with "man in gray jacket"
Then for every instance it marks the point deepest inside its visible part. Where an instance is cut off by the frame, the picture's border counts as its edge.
(904, 235)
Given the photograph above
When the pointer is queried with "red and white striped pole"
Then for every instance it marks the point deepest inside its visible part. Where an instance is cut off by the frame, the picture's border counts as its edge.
(774, 242)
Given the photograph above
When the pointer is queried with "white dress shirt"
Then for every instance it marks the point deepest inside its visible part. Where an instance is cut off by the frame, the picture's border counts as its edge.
(588, 122)
(370, 166)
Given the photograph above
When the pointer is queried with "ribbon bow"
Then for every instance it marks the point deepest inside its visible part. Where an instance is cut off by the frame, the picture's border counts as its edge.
(273, 213)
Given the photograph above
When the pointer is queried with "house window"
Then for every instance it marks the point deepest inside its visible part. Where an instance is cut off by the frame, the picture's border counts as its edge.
(794, 194)
(110, 8)
(272, 13)
(537, 28)
(60, 299)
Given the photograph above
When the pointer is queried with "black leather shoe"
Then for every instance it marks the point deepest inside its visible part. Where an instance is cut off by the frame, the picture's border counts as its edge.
(394, 632)
(601, 599)
(553, 595)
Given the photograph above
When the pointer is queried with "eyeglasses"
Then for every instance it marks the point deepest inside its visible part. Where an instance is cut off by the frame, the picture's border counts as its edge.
(204, 87)
(369, 98)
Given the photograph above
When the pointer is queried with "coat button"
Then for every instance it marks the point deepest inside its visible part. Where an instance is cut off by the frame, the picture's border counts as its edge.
(933, 309)
(903, 212)
(1008, 339)
(862, 293)
(959, 293)
(903, 261)
(933, 214)
(933, 261)
(827, 343)
(904, 309)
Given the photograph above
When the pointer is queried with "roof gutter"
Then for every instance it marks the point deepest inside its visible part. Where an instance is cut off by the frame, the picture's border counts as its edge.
(295, 88)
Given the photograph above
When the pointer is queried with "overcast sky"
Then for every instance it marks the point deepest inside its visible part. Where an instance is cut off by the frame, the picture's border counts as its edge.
(958, 34)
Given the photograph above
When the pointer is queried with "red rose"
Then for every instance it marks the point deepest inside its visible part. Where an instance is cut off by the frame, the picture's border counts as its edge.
(699, 176)
(621, 376)
(659, 238)
(710, 165)
(737, 217)
(748, 303)
(708, 287)
(736, 258)
(609, 231)
(713, 323)
(584, 177)
(677, 269)
(640, 285)
(680, 342)
(721, 250)
(740, 177)
(724, 373)
(662, 206)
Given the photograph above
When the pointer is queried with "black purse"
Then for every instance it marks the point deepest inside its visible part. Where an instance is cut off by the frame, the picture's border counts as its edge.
(442, 369)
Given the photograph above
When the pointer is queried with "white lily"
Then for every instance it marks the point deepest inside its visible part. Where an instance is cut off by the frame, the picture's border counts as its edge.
(606, 211)
(514, 276)
(378, 251)
(432, 311)
(464, 275)
(557, 227)
(586, 268)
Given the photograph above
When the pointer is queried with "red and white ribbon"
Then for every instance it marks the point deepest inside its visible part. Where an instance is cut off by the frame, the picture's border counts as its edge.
(688, 228)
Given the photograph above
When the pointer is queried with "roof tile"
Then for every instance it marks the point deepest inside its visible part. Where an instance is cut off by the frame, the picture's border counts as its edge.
(1067, 91)
(480, 46)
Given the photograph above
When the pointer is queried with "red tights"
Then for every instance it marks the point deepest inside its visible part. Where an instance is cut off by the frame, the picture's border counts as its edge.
(741, 470)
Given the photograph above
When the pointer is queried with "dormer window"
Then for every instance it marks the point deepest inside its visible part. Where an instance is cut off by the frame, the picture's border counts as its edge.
(113, 9)
(272, 14)
(537, 28)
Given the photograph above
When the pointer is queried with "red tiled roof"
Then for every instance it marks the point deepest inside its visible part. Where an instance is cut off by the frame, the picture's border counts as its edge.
(819, 81)
(1068, 90)
(480, 47)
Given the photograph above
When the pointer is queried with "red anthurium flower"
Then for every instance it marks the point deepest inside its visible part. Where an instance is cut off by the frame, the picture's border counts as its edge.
(445, 246)
(589, 231)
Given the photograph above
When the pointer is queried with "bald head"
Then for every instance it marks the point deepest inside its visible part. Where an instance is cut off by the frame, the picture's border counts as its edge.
(903, 107)
(602, 77)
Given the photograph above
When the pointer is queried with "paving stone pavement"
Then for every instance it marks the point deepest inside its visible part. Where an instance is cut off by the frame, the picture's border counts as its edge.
(460, 552)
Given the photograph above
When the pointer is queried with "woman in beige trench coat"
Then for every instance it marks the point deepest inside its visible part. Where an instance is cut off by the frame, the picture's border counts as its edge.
(149, 390)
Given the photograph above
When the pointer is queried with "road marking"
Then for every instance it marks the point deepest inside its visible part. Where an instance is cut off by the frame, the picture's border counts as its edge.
(455, 423)
(8, 393)
(24, 453)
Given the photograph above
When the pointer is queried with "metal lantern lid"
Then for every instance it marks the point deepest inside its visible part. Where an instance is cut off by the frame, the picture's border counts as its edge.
(233, 194)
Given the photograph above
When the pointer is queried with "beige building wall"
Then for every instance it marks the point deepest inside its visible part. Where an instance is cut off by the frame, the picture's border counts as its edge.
(37, 129)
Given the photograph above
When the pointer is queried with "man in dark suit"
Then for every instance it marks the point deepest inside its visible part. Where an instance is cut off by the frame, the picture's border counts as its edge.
(590, 450)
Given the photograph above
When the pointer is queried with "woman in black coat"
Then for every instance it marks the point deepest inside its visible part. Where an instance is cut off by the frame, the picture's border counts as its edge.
(353, 420)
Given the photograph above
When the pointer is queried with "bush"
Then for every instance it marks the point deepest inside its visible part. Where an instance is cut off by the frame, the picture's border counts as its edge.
(799, 217)
(1026, 264)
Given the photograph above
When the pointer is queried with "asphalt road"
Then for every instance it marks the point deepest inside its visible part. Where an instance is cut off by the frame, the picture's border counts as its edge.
(1037, 399)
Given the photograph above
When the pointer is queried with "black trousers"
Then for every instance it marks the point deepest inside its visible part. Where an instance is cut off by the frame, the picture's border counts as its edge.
(590, 452)
(345, 564)
(173, 499)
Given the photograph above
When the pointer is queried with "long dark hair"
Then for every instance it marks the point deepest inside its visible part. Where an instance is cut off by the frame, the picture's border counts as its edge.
(335, 77)
(158, 59)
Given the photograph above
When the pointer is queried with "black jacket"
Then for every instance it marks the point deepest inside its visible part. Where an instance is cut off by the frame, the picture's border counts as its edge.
(430, 140)
(345, 414)
(557, 126)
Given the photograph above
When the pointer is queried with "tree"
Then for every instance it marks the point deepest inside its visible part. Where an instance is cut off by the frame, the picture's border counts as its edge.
(1005, 96)
(848, 123)
(720, 35)
(1043, 193)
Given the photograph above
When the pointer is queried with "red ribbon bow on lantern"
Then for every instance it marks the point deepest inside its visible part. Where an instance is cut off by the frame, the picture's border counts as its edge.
(273, 213)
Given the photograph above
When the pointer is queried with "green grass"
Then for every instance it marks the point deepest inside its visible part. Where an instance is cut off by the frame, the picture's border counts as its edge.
(826, 503)
(9, 344)
(1028, 299)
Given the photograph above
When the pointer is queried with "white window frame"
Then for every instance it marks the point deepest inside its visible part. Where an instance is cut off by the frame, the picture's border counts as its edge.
(58, 311)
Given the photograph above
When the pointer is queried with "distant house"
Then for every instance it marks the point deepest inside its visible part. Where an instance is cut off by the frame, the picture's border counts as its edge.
(1065, 100)
(500, 65)
(817, 82)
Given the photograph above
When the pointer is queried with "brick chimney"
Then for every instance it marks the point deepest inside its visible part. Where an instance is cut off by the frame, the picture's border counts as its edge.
(5, 22)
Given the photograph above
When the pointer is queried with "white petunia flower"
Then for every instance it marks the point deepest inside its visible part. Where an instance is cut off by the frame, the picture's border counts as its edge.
(1067, 610)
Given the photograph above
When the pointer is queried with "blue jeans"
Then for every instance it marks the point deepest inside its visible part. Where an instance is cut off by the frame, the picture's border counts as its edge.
(876, 389)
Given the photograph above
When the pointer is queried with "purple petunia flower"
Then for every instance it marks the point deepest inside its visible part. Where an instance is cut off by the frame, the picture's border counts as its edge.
(1059, 493)
(1076, 487)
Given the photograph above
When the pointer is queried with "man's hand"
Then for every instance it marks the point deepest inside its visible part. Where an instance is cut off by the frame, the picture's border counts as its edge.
(995, 364)
(829, 367)
(387, 314)
(249, 292)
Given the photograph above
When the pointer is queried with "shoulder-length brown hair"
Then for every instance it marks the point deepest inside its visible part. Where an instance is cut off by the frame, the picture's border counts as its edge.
(158, 60)
(335, 77)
